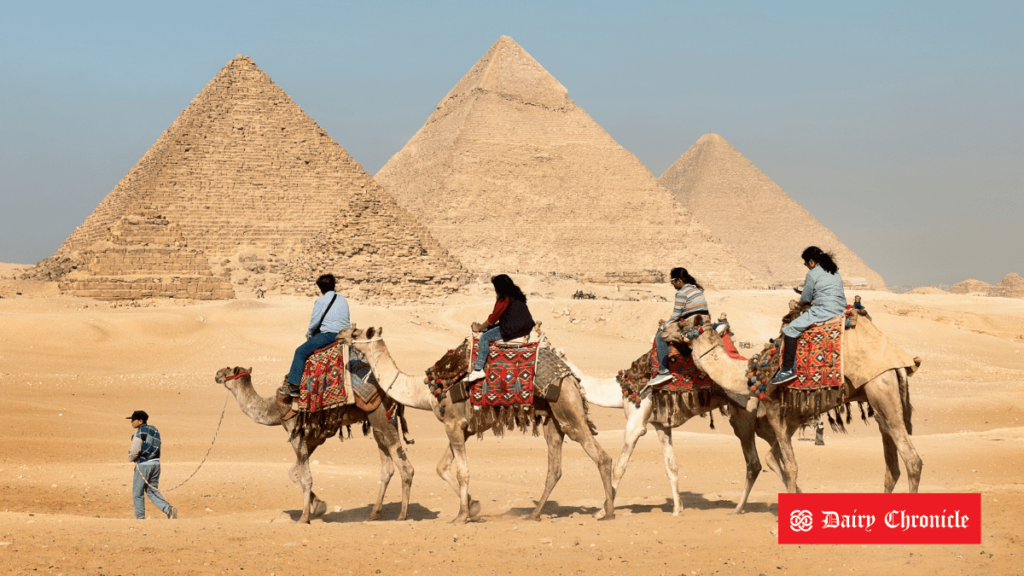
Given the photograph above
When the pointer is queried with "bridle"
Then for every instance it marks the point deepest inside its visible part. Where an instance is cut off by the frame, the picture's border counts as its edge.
(375, 359)
(236, 376)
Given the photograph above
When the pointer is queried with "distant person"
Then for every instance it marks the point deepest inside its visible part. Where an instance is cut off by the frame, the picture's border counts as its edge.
(330, 316)
(819, 433)
(145, 453)
(689, 301)
(823, 288)
(509, 320)
(857, 305)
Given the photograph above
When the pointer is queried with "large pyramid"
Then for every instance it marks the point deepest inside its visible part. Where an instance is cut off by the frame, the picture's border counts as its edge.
(511, 176)
(254, 184)
(754, 217)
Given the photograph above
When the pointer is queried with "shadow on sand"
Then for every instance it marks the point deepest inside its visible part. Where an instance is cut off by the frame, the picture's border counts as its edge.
(362, 514)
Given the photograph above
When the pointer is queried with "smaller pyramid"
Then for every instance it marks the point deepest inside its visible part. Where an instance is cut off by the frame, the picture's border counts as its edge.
(146, 256)
(1011, 286)
(971, 286)
(755, 218)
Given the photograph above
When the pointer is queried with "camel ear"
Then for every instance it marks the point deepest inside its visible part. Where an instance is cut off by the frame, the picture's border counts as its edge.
(249, 370)
(380, 331)
(370, 333)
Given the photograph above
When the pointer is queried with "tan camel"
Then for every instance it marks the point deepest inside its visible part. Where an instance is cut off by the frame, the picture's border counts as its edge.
(888, 393)
(607, 393)
(565, 416)
(271, 412)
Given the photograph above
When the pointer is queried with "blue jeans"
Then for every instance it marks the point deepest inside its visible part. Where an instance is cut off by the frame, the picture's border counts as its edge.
(151, 470)
(662, 347)
(302, 353)
(492, 335)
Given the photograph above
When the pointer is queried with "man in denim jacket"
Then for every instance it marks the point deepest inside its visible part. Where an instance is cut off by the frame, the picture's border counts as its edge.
(145, 453)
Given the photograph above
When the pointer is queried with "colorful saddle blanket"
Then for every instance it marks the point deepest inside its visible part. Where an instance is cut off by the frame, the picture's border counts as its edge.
(686, 377)
(323, 382)
(819, 359)
(509, 371)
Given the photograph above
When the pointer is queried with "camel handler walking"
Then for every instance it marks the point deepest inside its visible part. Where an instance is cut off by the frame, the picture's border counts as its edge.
(330, 316)
(145, 453)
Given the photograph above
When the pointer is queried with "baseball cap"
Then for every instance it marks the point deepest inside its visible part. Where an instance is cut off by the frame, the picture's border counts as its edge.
(138, 415)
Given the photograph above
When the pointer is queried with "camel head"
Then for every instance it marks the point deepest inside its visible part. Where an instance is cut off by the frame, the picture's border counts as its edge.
(228, 376)
(361, 341)
(688, 330)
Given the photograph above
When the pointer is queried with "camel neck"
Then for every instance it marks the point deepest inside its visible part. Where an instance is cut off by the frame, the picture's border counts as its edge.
(405, 389)
(261, 410)
(710, 356)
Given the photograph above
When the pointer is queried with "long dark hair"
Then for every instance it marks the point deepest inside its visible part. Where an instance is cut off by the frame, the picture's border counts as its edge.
(824, 259)
(506, 288)
(682, 274)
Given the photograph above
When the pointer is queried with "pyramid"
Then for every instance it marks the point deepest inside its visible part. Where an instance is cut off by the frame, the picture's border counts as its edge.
(254, 184)
(509, 175)
(1011, 286)
(755, 218)
(146, 257)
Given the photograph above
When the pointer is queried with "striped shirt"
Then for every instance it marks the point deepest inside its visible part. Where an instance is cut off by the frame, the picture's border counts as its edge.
(689, 301)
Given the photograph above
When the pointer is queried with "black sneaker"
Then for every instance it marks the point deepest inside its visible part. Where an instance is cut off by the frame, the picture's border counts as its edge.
(782, 377)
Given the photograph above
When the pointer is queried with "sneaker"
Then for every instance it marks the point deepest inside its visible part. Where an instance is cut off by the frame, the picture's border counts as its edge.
(172, 513)
(475, 375)
(782, 377)
(293, 391)
(660, 378)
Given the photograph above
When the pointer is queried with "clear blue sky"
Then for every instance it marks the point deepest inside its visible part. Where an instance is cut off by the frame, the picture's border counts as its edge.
(900, 126)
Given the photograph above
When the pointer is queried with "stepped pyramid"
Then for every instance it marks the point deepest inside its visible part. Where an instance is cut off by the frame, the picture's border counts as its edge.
(511, 176)
(758, 222)
(253, 183)
(146, 256)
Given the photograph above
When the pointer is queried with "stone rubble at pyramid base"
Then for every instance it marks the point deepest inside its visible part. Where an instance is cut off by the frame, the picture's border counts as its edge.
(117, 288)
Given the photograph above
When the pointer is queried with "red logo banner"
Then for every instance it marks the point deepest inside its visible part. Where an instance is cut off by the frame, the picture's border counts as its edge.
(879, 518)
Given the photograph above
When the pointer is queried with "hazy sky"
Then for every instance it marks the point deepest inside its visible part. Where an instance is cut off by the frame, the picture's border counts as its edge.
(900, 126)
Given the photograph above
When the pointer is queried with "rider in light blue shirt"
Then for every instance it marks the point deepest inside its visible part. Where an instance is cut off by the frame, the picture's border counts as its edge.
(330, 316)
(823, 288)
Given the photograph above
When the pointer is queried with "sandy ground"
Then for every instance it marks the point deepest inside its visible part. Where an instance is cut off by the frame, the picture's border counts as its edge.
(72, 369)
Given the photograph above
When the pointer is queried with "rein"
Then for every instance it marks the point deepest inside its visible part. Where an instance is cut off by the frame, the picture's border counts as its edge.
(374, 360)
(236, 376)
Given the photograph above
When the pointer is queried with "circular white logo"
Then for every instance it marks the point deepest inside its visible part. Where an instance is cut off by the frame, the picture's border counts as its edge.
(800, 520)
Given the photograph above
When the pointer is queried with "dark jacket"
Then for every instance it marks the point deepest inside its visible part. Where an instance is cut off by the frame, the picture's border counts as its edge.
(515, 321)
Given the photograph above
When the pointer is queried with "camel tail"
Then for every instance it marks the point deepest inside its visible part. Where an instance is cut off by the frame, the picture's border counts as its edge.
(908, 408)
(586, 416)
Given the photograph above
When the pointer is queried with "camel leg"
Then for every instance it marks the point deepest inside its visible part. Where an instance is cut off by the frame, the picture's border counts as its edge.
(568, 410)
(444, 470)
(636, 426)
(773, 458)
(671, 468)
(784, 436)
(554, 438)
(892, 461)
(389, 442)
(386, 472)
(300, 475)
(883, 394)
(457, 443)
(742, 423)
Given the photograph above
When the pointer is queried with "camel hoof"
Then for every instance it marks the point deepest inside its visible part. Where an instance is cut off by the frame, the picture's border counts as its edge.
(474, 509)
(320, 509)
(599, 514)
(606, 517)
(461, 519)
(303, 521)
(378, 515)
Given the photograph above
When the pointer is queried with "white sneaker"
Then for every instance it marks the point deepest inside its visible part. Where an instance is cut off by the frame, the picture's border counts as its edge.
(475, 375)
(660, 378)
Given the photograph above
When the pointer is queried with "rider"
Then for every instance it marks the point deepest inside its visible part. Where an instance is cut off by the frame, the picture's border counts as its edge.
(509, 320)
(330, 316)
(689, 301)
(823, 288)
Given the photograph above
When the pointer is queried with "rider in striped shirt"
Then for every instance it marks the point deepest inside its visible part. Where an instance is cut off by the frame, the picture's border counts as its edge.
(689, 301)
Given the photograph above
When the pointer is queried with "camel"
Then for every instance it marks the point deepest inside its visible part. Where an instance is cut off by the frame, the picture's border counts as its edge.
(888, 394)
(607, 393)
(272, 412)
(566, 416)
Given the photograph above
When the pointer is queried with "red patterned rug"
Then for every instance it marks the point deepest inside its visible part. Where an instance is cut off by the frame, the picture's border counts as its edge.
(323, 383)
(819, 356)
(510, 371)
(685, 374)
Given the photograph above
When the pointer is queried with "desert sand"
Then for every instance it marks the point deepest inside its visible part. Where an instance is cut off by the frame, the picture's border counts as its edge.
(71, 369)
